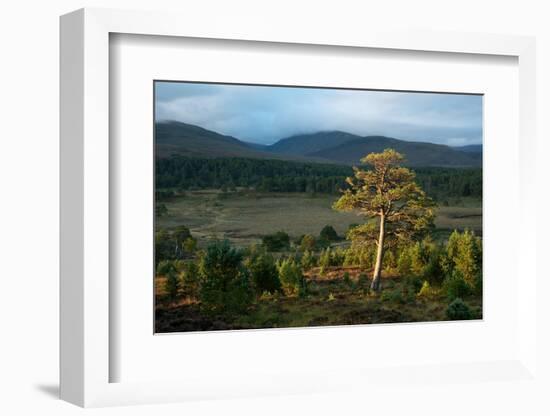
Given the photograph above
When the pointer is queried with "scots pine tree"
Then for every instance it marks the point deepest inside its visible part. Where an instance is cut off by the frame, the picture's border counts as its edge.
(395, 207)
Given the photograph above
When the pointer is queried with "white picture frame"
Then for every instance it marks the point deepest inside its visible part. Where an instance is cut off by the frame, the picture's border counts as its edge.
(85, 211)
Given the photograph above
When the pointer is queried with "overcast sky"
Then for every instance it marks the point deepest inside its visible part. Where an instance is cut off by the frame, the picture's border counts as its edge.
(266, 114)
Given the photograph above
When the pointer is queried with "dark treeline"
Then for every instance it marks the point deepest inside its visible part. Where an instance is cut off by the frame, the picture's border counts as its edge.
(443, 183)
(267, 175)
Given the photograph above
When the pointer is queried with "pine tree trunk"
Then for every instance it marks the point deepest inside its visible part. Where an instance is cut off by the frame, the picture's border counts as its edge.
(375, 285)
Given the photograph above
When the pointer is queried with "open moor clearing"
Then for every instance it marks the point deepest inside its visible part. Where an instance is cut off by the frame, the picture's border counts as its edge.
(244, 217)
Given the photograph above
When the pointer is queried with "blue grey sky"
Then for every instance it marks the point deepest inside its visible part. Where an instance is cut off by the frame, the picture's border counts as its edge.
(265, 114)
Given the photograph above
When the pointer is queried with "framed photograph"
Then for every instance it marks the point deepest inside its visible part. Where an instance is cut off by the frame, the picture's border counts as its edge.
(281, 213)
(286, 206)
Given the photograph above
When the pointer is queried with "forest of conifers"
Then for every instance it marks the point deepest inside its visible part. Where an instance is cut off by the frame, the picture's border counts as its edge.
(269, 175)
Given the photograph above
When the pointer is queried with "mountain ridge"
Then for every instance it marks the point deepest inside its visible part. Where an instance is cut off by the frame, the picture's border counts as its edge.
(173, 137)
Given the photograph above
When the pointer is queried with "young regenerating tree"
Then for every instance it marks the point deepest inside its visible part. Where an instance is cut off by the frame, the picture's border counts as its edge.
(387, 194)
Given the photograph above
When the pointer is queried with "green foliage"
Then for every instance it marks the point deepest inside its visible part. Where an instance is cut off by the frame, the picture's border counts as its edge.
(328, 233)
(337, 257)
(164, 267)
(387, 192)
(404, 261)
(190, 244)
(307, 242)
(388, 196)
(390, 262)
(414, 283)
(191, 279)
(433, 271)
(346, 278)
(308, 260)
(427, 291)
(393, 296)
(291, 277)
(225, 283)
(175, 245)
(324, 260)
(455, 286)
(288, 176)
(351, 227)
(420, 255)
(422, 259)
(458, 310)
(277, 241)
(181, 233)
(165, 246)
(363, 281)
(464, 255)
(172, 284)
(360, 254)
(267, 175)
(478, 287)
(264, 272)
(330, 257)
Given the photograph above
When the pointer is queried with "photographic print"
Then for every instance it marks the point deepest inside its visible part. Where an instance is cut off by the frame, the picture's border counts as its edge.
(288, 206)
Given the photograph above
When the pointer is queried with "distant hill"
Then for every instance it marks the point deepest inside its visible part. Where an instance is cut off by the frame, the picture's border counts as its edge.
(333, 147)
(342, 147)
(416, 153)
(306, 144)
(471, 148)
(173, 137)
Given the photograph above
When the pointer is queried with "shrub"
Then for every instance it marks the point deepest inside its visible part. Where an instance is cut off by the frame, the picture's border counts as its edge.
(409, 294)
(464, 254)
(307, 243)
(347, 279)
(179, 265)
(363, 281)
(422, 259)
(477, 312)
(173, 245)
(291, 277)
(478, 288)
(419, 258)
(164, 267)
(191, 280)
(389, 262)
(414, 282)
(350, 259)
(328, 233)
(351, 227)
(433, 272)
(181, 233)
(337, 257)
(225, 283)
(264, 273)
(172, 284)
(458, 310)
(190, 245)
(331, 257)
(324, 260)
(404, 262)
(455, 286)
(308, 260)
(277, 241)
(427, 291)
(394, 296)
(360, 254)
(165, 246)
